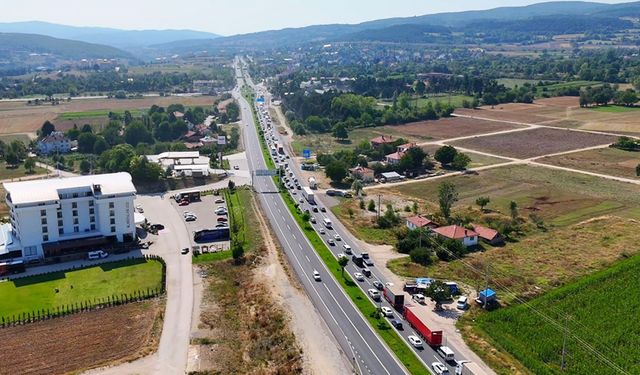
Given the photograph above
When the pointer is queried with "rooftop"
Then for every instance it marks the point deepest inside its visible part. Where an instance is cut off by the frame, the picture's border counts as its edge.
(419, 221)
(455, 232)
(48, 189)
(484, 232)
(383, 139)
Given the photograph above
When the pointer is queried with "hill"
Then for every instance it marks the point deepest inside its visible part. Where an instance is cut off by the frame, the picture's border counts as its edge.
(12, 44)
(108, 36)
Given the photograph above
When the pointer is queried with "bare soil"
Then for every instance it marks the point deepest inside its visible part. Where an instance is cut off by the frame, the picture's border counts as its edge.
(535, 142)
(451, 127)
(82, 341)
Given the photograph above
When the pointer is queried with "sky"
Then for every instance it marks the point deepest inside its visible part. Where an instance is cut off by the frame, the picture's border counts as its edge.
(231, 17)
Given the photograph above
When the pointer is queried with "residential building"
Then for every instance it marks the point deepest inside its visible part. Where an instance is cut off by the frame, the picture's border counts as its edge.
(363, 174)
(60, 216)
(395, 157)
(488, 235)
(456, 232)
(382, 140)
(415, 222)
(56, 142)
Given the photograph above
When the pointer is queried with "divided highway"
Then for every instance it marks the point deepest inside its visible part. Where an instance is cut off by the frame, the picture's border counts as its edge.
(354, 335)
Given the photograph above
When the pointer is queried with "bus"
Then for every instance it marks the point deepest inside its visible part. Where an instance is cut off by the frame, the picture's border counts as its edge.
(190, 196)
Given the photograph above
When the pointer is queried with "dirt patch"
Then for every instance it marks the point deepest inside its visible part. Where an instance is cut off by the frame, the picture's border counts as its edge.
(535, 142)
(451, 127)
(82, 341)
(522, 113)
(609, 161)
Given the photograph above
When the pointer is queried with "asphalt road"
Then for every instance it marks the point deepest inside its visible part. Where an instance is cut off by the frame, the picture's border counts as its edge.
(356, 338)
(428, 354)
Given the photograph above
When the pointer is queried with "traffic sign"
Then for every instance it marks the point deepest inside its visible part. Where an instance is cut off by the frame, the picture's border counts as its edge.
(306, 153)
(266, 172)
(222, 140)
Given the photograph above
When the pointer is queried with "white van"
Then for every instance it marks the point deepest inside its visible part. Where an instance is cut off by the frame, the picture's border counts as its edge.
(327, 222)
(462, 303)
(446, 353)
(98, 254)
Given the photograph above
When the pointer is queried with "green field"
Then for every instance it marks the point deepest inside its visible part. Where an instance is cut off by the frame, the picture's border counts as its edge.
(551, 89)
(8, 138)
(513, 82)
(96, 113)
(592, 314)
(454, 99)
(18, 172)
(29, 294)
(614, 109)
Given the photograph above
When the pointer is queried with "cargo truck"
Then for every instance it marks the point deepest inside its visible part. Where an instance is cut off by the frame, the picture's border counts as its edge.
(395, 296)
(468, 368)
(308, 195)
(312, 183)
(411, 315)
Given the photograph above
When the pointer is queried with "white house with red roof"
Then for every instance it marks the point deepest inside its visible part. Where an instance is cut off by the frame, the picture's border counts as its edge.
(394, 158)
(415, 222)
(488, 235)
(362, 173)
(456, 232)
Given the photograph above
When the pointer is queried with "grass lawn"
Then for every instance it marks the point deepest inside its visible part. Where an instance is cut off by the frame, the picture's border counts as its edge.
(454, 100)
(18, 172)
(513, 82)
(592, 315)
(8, 138)
(614, 109)
(560, 198)
(361, 226)
(102, 281)
(95, 113)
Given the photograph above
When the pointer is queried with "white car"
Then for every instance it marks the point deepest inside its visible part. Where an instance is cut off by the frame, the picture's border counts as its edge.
(219, 200)
(331, 242)
(415, 341)
(337, 237)
(187, 214)
(386, 311)
(347, 248)
(358, 276)
(139, 208)
(312, 220)
(316, 275)
(221, 211)
(322, 231)
(439, 368)
(374, 294)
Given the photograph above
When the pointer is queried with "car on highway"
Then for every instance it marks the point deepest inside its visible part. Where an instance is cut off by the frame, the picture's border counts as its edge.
(322, 209)
(378, 285)
(219, 200)
(184, 251)
(331, 242)
(366, 272)
(322, 231)
(367, 261)
(301, 200)
(397, 324)
(341, 255)
(358, 276)
(312, 220)
(316, 275)
(347, 248)
(439, 368)
(415, 341)
(298, 187)
(374, 294)
(386, 311)
(315, 209)
(337, 237)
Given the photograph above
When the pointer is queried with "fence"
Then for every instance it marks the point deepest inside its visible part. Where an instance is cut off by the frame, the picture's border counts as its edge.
(90, 305)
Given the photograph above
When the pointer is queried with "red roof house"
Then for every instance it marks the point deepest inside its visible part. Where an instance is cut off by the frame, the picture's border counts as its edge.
(488, 235)
(381, 140)
(415, 222)
(456, 232)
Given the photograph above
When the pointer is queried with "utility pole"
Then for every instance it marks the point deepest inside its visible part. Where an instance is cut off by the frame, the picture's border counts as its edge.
(564, 342)
(378, 216)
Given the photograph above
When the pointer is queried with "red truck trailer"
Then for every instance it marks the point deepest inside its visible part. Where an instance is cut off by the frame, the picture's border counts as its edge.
(395, 296)
(412, 315)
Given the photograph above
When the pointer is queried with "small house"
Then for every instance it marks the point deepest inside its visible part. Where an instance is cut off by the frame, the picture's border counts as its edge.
(415, 222)
(56, 142)
(395, 157)
(363, 174)
(488, 235)
(458, 233)
(382, 140)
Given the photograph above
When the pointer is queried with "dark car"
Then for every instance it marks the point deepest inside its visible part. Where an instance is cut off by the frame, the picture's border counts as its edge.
(323, 209)
(315, 209)
(185, 250)
(397, 324)
(222, 219)
(378, 285)
(156, 227)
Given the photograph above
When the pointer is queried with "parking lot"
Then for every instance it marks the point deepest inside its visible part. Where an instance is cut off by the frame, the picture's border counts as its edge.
(204, 216)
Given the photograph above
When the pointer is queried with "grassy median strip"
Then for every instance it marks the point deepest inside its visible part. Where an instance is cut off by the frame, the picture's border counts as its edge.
(359, 298)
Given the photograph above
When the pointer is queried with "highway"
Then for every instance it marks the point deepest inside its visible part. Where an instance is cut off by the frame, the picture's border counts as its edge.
(428, 355)
(356, 338)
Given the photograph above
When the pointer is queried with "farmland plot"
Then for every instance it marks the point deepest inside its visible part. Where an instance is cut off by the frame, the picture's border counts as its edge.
(451, 127)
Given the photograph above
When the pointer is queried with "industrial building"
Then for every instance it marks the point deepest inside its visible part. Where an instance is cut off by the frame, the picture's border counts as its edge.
(61, 216)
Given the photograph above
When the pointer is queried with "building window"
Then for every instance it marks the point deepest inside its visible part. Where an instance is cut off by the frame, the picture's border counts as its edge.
(45, 238)
(113, 221)
(112, 213)
(74, 205)
(75, 221)
(60, 223)
(92, 219)
(75, 195)
(45, 230)
(43, 220)
(111, 205)
(43, 212)
(60, 231)
(113, 229)
(90, 203)
(91, 211)
(59, 214)
(93, 227)
(76, 229)
(75, 212)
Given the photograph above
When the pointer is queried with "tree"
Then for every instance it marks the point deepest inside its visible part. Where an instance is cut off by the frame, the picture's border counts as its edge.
(340, 131)
(86, 142)
(357, 187)
(231, 185)
(343, 261)
(626, 97)
(513, 209)
(460, 161)
(421, 255)
(136, 133)
(350, 212)
(29, 164)
(117, 159)
(19, 149)
(438, 292)
(47, 128)
(445, 154)
(142, 169)
(306, 216)
(372, 206)
(100, 145)
(447, 197)
(420, 87)
(482, 202)
(11, 158)
(237, 252)
(85, 166)
(336, 171)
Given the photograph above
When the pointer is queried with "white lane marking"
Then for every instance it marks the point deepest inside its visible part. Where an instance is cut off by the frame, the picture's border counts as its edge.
(308, 260)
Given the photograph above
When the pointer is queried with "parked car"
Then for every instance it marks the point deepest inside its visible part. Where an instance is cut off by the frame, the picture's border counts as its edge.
(183, 203)
(190, 218)
(156, 227)
(462, 303)
(374, 294)
(185, 251)
(316, 275)
(219, 200)
(221, 225)
(358, 276)
(415, 341)
(418, 298)
(397, 324)
(386, 311)
(236, 167)
(222, 219)
(139, 208)
(98, 254)
(439, 368)
(378, 285)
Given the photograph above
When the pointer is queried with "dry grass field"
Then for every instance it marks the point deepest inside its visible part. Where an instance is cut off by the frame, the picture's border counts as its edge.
(609, 161)
(535, 142)
(18, 117)
(82, 341)
(451, 127)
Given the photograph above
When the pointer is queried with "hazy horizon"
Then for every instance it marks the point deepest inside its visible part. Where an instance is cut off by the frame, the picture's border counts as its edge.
(234, 18)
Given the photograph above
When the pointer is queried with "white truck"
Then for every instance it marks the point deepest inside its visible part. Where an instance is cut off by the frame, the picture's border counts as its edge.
(312, 183)
(308, 195)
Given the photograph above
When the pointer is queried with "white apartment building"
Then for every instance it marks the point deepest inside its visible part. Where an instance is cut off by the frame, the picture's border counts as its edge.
(55, 142)
(60, 216)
